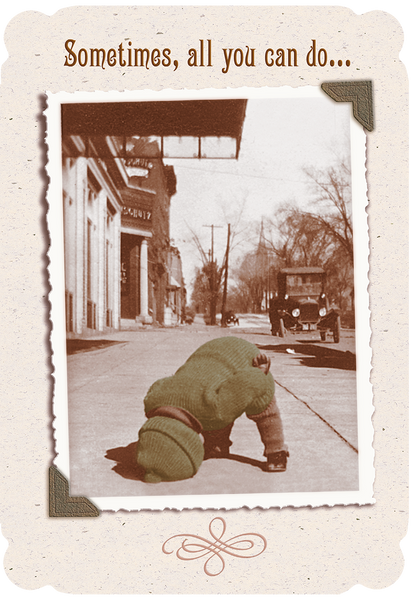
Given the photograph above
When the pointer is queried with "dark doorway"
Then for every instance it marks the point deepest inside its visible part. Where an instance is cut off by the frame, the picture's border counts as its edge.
(130, 276)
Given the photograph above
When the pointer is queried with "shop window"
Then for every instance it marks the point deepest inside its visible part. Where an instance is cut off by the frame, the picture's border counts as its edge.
(89, 259)
(69, 311)
(91, 306)
(91, 315)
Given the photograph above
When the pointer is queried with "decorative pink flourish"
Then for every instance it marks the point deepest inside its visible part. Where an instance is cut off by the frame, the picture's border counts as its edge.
(236, 546)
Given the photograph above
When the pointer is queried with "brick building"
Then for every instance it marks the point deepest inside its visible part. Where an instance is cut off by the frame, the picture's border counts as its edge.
(176, 291)
(119, 264)
(116, 237)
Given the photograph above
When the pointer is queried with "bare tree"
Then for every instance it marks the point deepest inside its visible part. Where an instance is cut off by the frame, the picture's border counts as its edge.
(241, 230)
(321, 236)
(303, 237)
(332, 199)
(255, 276)
(297, 238)
(250, 281)
(210, 277)
(206, 289)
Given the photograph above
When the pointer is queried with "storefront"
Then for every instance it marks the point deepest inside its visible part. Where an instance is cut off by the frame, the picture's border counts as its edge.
(116, 195)
(136, 232)
(116, 236)
(92, 211)
(176, 292)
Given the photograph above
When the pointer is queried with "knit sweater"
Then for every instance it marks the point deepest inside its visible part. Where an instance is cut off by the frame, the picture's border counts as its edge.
(217, 384)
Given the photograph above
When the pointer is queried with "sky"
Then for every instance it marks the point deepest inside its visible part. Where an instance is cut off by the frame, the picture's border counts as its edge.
(280, 137)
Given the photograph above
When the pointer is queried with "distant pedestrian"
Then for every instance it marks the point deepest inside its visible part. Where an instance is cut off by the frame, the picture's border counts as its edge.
(220, 381)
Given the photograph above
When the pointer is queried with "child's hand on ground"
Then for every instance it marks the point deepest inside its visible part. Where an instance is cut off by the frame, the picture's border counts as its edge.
(262, 362)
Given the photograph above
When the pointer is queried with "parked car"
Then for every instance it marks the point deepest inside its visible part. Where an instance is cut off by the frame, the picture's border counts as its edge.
(189, 316)
(231, 318)
(302, 304)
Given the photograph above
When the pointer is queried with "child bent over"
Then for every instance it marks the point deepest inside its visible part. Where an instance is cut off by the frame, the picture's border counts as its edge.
(220, 381)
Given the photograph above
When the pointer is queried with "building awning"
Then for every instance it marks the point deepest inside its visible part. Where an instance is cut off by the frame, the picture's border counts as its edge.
(182, 128)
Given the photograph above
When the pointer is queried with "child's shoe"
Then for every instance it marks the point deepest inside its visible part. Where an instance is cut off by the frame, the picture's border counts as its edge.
(277, 462)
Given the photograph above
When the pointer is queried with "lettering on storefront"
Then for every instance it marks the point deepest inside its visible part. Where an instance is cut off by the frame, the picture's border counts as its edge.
(123, 274)
(142, 163)
(136, 166)
(136, 213)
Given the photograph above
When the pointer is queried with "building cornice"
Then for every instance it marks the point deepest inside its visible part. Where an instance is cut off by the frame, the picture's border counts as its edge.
(136, 231)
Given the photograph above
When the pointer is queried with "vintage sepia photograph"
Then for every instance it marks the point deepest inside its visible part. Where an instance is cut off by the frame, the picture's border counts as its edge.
(210, 299)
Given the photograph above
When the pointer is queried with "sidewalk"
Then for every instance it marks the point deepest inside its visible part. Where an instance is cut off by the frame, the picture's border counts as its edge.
(106, 390)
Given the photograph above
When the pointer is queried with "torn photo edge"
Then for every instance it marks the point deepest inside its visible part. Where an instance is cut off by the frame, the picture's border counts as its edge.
(362, 312)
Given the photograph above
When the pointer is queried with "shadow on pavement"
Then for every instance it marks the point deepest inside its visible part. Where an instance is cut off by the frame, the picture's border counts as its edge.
(127, 466)
(315, 355)
(75, 345)
(247, 460)
(129, 469)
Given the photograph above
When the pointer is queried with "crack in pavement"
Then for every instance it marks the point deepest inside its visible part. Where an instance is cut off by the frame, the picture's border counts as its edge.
(318, 415)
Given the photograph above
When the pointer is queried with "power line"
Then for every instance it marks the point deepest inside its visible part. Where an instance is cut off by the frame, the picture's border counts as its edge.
(277, 179)
(280, 179)
(213, 284)
(212, 226)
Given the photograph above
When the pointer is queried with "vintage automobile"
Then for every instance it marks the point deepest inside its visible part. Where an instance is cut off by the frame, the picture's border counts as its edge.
(231, 318)
(302, 304)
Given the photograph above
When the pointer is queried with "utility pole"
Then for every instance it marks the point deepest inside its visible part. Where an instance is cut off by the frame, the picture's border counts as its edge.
(213, 287)
(224, 296)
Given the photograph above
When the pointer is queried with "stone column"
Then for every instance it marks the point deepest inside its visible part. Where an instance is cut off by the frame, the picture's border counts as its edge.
(144, 316)
(81, 200)
(116, 273)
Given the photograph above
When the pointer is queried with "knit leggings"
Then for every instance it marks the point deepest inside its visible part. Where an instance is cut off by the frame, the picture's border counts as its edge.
(269, 425)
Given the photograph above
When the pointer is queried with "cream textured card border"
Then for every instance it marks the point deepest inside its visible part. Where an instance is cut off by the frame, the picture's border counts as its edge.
(325, 549)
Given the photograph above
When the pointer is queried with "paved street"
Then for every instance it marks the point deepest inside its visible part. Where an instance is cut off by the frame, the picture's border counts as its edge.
(315, 389)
